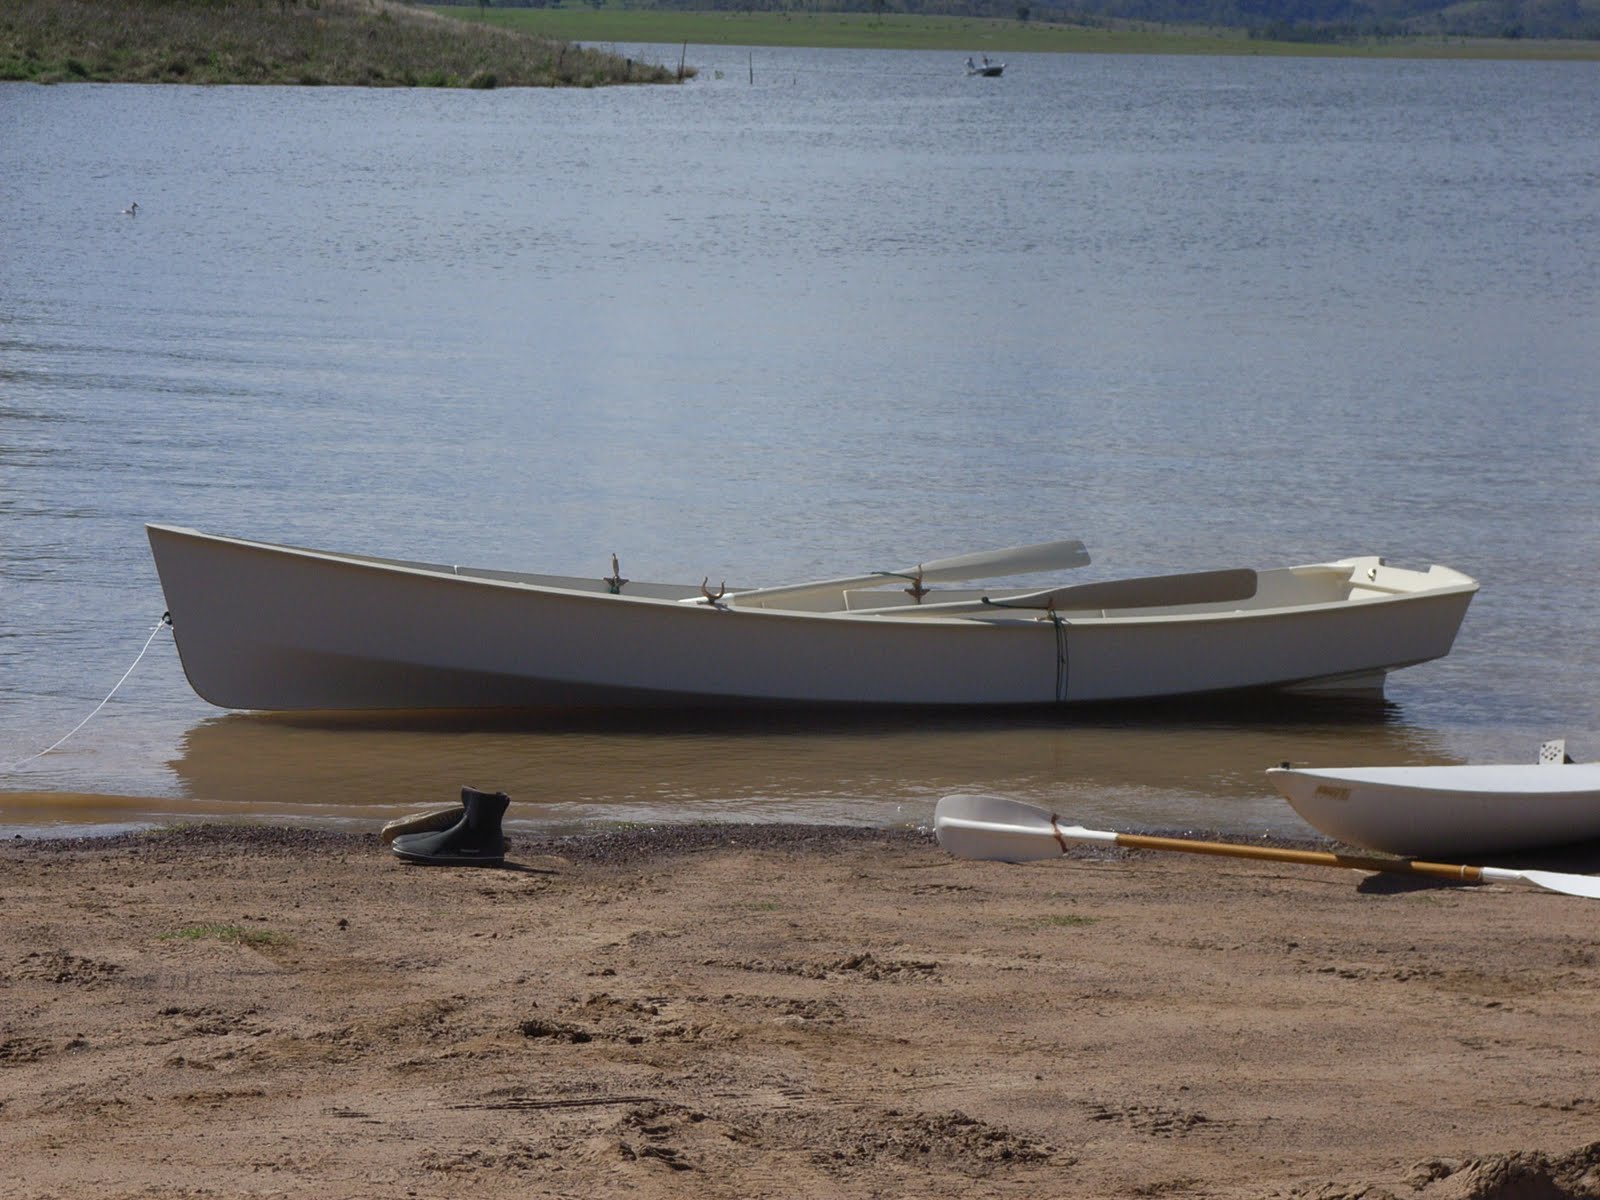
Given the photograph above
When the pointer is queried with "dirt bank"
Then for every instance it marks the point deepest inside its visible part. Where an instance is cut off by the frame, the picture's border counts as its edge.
(780, 1011)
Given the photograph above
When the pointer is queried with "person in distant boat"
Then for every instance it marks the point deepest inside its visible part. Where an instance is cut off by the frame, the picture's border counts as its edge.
(971, 66)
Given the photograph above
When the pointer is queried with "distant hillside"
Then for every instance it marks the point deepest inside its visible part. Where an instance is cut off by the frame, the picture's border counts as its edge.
(360, 43)
(1335, 18)
(1291, 20)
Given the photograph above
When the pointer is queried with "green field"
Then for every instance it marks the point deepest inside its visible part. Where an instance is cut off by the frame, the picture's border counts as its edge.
(892, 31)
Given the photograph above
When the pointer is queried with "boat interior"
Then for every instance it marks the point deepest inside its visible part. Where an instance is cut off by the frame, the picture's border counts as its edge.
(1240, 589)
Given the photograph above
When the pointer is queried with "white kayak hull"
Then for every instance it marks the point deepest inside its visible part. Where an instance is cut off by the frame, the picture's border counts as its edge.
(1447, 810)
(262, 626)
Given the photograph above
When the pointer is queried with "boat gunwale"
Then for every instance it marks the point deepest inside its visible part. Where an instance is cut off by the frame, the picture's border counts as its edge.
(1453, 779)
(1459, 584)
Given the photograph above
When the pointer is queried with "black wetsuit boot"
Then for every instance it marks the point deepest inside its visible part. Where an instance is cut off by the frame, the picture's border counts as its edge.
(475, 840)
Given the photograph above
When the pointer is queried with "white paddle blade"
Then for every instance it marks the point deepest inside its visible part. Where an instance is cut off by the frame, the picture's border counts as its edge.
(1552, 881)
(995, 829)
(1014, 560)
(995, 843)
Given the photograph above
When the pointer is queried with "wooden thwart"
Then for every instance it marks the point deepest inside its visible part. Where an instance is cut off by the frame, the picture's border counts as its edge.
(1152, 591)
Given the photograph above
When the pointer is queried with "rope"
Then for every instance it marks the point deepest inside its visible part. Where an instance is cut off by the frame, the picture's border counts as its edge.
(1061, 656)
(166, 621)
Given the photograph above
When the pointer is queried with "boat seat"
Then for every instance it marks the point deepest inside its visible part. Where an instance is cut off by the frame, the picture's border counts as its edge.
(1155, 591)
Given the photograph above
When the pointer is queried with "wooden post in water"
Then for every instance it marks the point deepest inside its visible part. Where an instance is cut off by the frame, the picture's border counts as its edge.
(681, 59)
(752, 68)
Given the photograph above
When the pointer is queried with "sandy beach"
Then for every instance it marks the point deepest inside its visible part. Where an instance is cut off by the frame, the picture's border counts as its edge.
(741, 1011)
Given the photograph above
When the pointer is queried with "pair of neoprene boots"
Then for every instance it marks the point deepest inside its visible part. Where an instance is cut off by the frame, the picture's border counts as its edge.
(465, 836)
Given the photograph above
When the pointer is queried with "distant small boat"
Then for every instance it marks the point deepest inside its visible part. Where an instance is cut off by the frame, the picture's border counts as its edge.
(984, 68)
(1450, 810)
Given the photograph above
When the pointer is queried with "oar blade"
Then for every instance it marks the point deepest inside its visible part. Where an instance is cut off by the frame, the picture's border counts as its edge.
(990, 843)
(994, 829)
(1001, 810)
(986, 564)
(1570, 885)
(1013, 560)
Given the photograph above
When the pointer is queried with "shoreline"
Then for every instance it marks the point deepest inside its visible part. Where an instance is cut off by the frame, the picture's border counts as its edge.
(597, 845)
(749, 1010)
(107, 818)
(969, 35)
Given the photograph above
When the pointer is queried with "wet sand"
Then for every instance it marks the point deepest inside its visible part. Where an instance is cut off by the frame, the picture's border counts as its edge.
(777, 1010)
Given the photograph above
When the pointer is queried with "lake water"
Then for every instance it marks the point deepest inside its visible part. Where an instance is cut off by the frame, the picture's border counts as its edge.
(856, 312)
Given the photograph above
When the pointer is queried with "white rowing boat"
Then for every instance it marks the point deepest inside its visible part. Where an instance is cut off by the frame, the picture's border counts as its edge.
(1449, 809)
(263, 626)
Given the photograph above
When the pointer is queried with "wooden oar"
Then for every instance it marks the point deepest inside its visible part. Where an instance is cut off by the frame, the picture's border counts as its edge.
(986, 564)
(1001, 830)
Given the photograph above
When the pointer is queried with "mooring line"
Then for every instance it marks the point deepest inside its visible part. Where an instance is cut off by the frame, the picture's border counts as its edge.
(165, 622)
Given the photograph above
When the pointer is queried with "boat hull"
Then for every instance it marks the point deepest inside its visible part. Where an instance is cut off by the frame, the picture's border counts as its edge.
(260, 626)
(1448, 810)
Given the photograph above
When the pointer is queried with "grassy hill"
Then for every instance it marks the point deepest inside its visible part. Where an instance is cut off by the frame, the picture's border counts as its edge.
(365, 43)
(1409, 28)
(622, 22)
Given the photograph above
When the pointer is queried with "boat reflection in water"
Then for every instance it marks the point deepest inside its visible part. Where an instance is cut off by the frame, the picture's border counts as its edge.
(1170, 771)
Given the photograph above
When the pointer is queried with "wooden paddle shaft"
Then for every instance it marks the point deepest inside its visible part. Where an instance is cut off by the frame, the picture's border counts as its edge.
(1310, 858)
